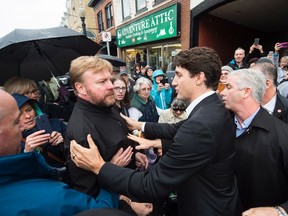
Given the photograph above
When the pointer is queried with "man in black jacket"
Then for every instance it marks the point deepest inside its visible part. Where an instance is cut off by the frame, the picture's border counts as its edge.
(93, 114)
(200, 162)
(272, 101)
(261, 146)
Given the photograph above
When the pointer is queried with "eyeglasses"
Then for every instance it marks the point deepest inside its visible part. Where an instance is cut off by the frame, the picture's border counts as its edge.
(145, 89)
(34, 91)
(120, 89)
(178, 109)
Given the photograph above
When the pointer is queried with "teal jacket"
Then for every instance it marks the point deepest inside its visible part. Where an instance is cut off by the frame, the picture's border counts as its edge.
(163, 98)
(28, 187)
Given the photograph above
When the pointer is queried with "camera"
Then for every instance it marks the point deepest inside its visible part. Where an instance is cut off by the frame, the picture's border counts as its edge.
(164, 80)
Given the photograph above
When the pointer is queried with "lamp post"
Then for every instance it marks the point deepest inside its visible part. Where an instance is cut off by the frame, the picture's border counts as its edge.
(82, 14)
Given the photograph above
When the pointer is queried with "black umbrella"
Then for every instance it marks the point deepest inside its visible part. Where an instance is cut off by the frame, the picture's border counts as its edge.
(39, 53)
(115, 61)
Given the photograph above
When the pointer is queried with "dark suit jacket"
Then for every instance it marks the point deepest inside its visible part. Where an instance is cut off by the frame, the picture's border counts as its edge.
(262, 162)
(281, 108)
(199, 164)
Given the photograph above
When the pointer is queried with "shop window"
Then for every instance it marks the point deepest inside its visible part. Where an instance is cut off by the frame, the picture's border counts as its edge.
(169, 52)
(100, 21)
(155, 57)
(156, 2)
(158, 57)
(125, 9)
(109, 15)
(140, 5)
(133, 56)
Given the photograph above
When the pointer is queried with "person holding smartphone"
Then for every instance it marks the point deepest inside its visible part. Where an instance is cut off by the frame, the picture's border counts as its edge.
(255, 46)
(225, 70)
(35, 139)
(26, 179)
(161, 91)
(29, 88)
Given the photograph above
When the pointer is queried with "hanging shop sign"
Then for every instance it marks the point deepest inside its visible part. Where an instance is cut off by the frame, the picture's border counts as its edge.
(160, 25)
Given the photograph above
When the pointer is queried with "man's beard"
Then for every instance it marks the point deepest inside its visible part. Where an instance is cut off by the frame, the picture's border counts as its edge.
(104, 101)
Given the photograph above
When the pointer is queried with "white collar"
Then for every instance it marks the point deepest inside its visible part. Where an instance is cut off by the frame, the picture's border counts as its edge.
(270, 106)
(194, 103)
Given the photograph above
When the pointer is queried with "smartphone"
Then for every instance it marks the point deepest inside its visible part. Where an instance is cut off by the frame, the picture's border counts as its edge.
(164, 80)
(43, 123)
(256, 41)
(284, 45)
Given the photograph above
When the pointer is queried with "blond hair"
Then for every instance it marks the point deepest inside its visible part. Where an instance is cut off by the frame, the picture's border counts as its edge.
(19, 85)
(84, 63)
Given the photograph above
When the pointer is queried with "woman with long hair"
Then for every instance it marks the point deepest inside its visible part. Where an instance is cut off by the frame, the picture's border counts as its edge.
(122, 102)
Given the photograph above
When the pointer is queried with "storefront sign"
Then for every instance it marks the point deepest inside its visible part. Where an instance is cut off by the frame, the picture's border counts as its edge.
(159, 25)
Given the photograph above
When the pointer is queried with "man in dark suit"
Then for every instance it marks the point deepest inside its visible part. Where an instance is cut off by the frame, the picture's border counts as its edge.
(261, 146)
(272, 101)
(200, 162)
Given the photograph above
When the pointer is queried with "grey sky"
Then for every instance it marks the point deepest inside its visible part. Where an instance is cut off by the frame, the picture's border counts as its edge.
(30, 14)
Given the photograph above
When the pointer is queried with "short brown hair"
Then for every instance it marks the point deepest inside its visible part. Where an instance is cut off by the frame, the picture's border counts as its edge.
(84, 63)
(201, 59)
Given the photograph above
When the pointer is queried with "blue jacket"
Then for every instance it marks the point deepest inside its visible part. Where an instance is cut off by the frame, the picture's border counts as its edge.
(163, 98)
(56, 125)
(28, 187)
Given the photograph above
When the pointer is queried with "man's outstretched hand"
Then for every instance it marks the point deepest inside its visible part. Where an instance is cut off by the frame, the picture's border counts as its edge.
(145, 143)
(86, 158)
(132, 124)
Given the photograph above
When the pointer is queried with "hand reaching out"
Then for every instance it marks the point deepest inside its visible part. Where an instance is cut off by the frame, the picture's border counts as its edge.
(141, 160)
(145, 143)
(132, 124)
(86, 158)
(122, 158)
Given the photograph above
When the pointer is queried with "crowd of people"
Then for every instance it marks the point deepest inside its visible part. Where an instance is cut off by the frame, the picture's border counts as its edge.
(128, 147)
